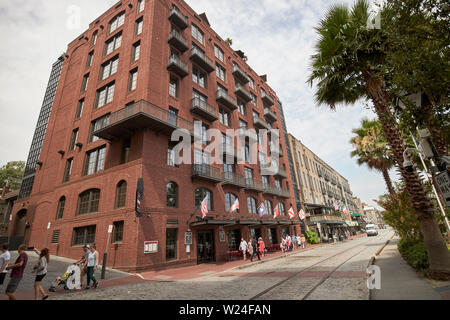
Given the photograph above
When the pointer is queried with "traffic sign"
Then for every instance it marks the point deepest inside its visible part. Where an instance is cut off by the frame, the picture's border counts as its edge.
(443, 182)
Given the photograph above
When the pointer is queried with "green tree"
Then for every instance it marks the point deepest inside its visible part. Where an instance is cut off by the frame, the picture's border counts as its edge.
(12, 171)
(371, 149)
(417, 57)
(346, 67)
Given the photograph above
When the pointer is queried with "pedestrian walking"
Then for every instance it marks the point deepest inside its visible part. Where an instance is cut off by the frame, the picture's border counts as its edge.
(82, 263)
(17, 272)
(283, 245)
(255, 246)
(250, 248)
(91, 267)
(294, 242)
(303, 239)
(4, 260)
(299, 241)
(288, 243)
(243, 248)
(41, 271)
(262, 247)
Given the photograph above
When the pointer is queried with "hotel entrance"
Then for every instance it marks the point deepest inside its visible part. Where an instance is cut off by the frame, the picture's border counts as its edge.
(205, 246)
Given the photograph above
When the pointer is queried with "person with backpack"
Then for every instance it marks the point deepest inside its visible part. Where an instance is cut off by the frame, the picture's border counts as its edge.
(41, 271)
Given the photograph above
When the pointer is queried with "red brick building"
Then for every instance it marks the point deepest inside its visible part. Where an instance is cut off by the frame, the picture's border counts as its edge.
(141, 70)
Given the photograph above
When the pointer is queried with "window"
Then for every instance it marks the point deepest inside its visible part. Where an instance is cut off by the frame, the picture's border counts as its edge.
(248, 172)
(133, 80)
(97, 124)
(251, 83)
(141, 5)
(172, 195)
(268, 204)
(121, 194)
(247, 153)
(199, 77)
(113, 44)
(73, 139)
(105, 95)
(218, 53)
(171, 244)
(83, 235)
(61, 205)
(88, 201)
(84, 86)
(171, 158)
(89, 59)
(197, 34)
(125, 153)
(282, 209)
(173, 116)
(241, 107)
(254, 99)
(80, 109)
(117, 235)
(220, 72)
(68, 170)
(95, 161)
(94, 38)
(229, 201)
(251, 203)
(224, 117)
(136, 51)
(243, 124)
(201, 157)
(139, 25)
(117, 22)
(109, 68)
(200, 195)
(173, 87)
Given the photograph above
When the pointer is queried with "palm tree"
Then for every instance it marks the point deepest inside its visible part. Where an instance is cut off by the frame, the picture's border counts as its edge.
(346, 68)
(372, 150)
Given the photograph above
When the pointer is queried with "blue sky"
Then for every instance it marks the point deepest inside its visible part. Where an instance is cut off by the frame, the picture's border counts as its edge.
(277, 36)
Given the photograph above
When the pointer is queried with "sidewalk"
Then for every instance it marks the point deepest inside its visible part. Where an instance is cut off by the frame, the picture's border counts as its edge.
(399, 281)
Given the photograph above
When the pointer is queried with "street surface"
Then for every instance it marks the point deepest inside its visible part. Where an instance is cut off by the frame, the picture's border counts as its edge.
(334, 271)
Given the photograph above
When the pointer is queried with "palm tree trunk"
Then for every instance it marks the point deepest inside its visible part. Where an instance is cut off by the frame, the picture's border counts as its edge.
(438, 140)
(438, 253)
(388, 181)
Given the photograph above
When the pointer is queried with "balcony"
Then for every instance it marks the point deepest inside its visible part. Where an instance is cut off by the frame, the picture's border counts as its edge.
(233, 179)
(270, 115)
(206, 172)
(178, 19)
(242, 92)
(178, 41)
(178, 66)
(274, 190)
(200, 58)
(327, 177)
(252, 184)
(224, 98)
(267, 100)
(330, 193)
(324, 192)
(139, 116)
(240, 74)
(319, 173)
(203, 109)
(259, 123)
(281, 173)
(326, 217)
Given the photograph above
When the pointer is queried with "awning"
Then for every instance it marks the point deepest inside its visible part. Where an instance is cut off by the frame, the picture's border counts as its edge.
(352, 223)
(212, 222)
(354, 214)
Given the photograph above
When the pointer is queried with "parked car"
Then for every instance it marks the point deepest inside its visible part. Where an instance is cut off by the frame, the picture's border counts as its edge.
(371, 230)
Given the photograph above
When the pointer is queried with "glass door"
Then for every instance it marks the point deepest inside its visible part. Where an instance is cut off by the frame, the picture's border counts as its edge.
(205, 246)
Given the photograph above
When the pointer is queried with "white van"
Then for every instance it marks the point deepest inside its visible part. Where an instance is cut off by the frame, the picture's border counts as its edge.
(371, 230)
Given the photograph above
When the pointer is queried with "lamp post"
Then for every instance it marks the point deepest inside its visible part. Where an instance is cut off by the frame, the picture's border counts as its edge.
(105, 255)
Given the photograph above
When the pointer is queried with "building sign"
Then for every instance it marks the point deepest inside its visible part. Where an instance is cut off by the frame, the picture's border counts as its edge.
(188, 238)
(443, 182)
(222, 236)
(150, 247)
(139, 197)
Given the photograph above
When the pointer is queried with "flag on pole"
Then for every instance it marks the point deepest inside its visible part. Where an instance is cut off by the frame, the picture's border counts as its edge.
(276, 213)
(302, 215)
(235, 206)
(291, 213)
(262, 210)
(204, 207)
(336, 206)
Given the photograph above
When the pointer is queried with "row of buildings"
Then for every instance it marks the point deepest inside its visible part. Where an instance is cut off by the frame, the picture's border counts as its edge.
(140, 71)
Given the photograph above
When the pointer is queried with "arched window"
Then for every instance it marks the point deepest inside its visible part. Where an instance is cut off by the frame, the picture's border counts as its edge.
(88, 201)
(172, 195)
(200, 195)
(269, 207)
(61, 205)
(229, 201)
(251, 203)
(121, 194)
(282, 209)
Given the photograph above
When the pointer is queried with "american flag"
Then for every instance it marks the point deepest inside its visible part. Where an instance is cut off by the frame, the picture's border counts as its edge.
(291, 212)
(204, 207)
(235, 206)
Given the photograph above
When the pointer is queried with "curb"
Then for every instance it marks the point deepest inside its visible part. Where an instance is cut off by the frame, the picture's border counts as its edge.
(373, 259)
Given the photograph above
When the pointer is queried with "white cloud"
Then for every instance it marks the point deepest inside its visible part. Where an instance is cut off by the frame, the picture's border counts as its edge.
(277, 36)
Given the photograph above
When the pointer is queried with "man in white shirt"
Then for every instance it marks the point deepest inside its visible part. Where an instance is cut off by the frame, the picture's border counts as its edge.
(4, 260)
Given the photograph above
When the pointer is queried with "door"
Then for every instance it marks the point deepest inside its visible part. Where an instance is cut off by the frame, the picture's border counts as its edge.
(205, 246)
